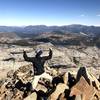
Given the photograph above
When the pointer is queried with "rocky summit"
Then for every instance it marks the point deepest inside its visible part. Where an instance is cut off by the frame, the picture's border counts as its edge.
(75, 71)
(69, 85)
(74, 67)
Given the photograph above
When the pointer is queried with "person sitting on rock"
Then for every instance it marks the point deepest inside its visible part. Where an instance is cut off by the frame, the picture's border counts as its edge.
(38, 66)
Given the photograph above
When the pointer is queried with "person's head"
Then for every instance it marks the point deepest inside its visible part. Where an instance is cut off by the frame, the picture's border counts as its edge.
(38, 53)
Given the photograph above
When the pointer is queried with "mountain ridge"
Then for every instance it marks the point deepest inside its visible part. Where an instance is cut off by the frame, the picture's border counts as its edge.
(36, 29)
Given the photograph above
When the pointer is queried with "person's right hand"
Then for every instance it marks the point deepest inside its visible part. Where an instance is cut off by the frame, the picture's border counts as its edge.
(50, 49)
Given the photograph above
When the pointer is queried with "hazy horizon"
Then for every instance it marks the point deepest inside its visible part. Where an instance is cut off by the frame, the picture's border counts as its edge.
(49, 12)
(45, 25)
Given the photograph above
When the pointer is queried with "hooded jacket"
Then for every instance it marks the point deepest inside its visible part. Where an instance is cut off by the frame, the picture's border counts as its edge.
(38, 62)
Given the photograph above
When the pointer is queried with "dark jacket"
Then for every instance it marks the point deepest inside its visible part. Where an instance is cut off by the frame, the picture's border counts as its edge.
(38, 62)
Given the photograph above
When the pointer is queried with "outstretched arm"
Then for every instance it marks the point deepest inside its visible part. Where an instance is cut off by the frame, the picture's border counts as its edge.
(49, 56)
(29, 59)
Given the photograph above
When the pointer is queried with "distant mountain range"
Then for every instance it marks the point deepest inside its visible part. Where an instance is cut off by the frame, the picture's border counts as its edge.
(57, 35)
(82, 29)
(6, 37)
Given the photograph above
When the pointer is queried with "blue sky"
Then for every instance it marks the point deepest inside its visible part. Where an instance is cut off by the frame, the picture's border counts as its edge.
(49, 12)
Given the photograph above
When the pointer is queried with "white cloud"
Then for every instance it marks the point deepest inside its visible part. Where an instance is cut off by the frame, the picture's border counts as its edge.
(82, 15)
(98, 15)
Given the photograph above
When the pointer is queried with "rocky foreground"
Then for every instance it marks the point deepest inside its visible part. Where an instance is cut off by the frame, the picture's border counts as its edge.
(69, 85)
(11, 56)
(71, 81)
